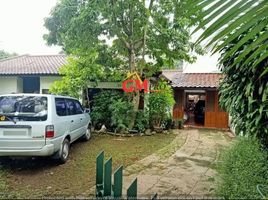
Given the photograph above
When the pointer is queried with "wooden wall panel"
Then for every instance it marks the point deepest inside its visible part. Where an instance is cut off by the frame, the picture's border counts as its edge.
(222, 120)
(210, 114)
(210, 119)
(214, 116)
(178, 107)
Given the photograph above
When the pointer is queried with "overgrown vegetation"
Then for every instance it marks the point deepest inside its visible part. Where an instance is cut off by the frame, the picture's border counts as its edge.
(249, 106)
(101, 112)
(114, 109)
(242, 167)
(244, 58)
(121, 110)
(142, 120)
(161, 102)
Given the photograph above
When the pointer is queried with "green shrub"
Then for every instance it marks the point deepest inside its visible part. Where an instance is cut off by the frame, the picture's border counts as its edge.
(101, 113)
(169, 123)
(113, 109)
(242, 167)
(121, 112)
(142, 121)
(160, 103)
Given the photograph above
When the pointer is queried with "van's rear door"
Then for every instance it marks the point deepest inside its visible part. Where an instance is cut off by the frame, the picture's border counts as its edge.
(21, 136)
(22, 121)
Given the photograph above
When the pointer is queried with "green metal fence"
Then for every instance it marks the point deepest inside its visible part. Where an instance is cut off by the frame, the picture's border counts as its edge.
(104, 186)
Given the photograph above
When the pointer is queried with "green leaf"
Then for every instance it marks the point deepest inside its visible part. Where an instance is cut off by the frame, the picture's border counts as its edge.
(251, 34)
(241, 29)
(250, 48)
(216, 9)
(228, 16)
(255, 54)
(265, 72)
(264, 96)
(236, 23)
(260, 59)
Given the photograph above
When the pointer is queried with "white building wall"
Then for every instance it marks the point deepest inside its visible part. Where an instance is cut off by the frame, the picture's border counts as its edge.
(9, 84)
(46, 82)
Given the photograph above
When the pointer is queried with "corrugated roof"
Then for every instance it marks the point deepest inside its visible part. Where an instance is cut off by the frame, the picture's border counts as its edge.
(30, 65)
(196, 80)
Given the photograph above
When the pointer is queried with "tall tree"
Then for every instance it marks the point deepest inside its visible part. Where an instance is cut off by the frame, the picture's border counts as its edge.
(140, 35)
(239, 30)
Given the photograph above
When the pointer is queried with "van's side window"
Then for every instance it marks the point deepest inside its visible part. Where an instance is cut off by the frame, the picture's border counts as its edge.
(61, 107)
(78, 108)
(70, 107)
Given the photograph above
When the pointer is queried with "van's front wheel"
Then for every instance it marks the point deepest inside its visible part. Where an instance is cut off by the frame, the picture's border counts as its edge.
(63, 154)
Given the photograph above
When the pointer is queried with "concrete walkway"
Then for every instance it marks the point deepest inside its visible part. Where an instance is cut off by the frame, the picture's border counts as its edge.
(188, 171)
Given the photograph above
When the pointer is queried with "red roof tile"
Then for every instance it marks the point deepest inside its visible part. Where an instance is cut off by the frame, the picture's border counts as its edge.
(196, 80)
(29, 65)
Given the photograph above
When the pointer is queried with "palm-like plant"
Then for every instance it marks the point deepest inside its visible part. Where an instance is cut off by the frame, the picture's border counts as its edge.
(225, 21)
(239, 30)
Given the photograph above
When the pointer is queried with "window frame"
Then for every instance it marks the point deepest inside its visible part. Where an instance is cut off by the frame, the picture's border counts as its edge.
(76, 102)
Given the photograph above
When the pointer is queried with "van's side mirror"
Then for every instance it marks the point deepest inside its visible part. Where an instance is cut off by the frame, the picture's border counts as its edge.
(87, 110)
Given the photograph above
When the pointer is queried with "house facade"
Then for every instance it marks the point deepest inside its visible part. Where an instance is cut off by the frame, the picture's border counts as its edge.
(197, 99)
(196, 94)
(30, 74)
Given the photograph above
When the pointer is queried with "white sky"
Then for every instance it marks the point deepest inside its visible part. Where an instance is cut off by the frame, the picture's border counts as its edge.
(22, 30)
(206, 63)
(21, 26)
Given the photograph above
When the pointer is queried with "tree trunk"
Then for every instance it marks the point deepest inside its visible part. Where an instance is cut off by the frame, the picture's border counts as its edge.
(136, 102)
(132, 65)
(136, 95)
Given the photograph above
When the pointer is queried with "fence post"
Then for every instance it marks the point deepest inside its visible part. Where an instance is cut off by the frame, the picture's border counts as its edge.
(99, 174)
(108, 177)
(118, 182)
(132, 190)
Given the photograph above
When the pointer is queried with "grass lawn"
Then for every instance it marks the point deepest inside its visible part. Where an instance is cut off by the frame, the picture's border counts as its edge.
(41, 177)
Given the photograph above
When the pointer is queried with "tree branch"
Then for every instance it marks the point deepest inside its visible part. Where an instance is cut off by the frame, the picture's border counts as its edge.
(148, 13)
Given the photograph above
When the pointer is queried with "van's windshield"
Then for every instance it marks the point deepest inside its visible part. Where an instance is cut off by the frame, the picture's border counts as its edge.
(23, 108)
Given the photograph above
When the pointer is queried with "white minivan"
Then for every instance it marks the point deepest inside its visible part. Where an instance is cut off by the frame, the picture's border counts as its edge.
(41, 125)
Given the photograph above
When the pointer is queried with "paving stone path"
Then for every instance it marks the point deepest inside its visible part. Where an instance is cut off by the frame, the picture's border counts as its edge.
(188, 171)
